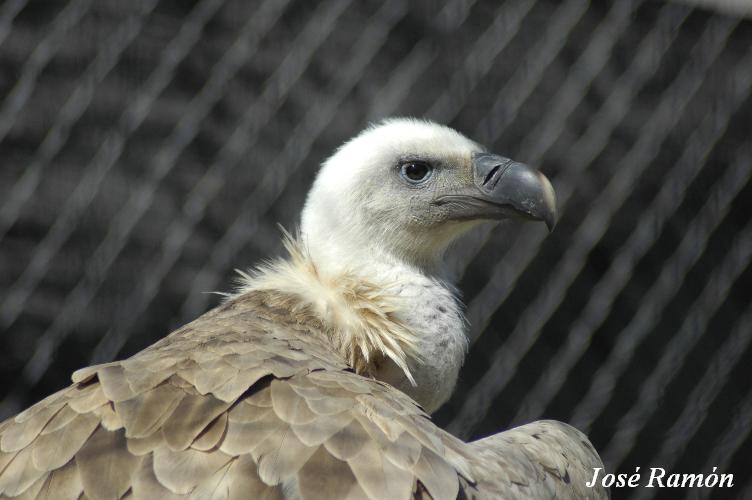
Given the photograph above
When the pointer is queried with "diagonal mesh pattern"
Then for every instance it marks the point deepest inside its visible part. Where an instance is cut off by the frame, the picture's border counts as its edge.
(151, 147)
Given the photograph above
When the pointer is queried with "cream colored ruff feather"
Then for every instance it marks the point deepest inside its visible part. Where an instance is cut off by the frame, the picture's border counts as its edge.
(314, 380)
(358, 317)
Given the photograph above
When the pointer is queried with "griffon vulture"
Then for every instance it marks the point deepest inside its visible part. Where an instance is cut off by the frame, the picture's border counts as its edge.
(315, 379)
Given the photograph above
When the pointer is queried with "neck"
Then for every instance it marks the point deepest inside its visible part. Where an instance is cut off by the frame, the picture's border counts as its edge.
(359, 255)
(391, 320)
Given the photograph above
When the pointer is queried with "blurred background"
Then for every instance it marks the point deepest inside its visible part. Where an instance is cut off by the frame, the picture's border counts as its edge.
(148, 148)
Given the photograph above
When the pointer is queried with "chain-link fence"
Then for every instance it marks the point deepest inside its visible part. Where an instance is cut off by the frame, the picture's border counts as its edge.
(149, 147)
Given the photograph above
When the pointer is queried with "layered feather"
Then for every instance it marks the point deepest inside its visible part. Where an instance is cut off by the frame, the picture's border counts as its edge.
(247, 402)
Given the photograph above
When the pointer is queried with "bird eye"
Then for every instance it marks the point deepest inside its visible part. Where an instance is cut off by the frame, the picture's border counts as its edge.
(415, 171)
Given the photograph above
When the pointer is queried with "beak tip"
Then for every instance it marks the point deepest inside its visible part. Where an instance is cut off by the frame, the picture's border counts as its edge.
(551, 223)
(549, 203)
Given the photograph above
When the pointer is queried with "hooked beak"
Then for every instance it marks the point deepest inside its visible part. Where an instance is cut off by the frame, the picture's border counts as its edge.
(503, 189)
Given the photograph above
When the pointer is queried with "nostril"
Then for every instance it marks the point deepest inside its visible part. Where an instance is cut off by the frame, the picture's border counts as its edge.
(491, 174)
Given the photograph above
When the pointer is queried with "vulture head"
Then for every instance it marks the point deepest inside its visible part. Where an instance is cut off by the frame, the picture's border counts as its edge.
(376, 223)
(404, 189)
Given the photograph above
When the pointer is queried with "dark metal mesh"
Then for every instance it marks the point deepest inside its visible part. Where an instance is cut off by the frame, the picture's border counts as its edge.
(149, 147)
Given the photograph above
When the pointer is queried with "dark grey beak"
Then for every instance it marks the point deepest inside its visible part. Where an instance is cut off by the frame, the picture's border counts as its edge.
(503, 189)
(515, 189)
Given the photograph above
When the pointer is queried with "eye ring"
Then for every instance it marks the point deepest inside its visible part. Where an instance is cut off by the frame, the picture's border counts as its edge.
(416, 172)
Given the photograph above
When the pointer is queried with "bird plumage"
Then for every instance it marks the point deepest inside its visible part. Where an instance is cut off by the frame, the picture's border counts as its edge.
(287, 389)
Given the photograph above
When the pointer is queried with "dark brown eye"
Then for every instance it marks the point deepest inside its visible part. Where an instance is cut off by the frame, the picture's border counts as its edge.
(415, 171)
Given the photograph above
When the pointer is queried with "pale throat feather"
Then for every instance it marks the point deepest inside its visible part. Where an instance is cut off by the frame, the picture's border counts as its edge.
(432, 311)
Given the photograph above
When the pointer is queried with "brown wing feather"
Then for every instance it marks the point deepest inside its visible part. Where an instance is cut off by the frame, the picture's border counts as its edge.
(247, 402)
(64, 482)
(544, 459)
